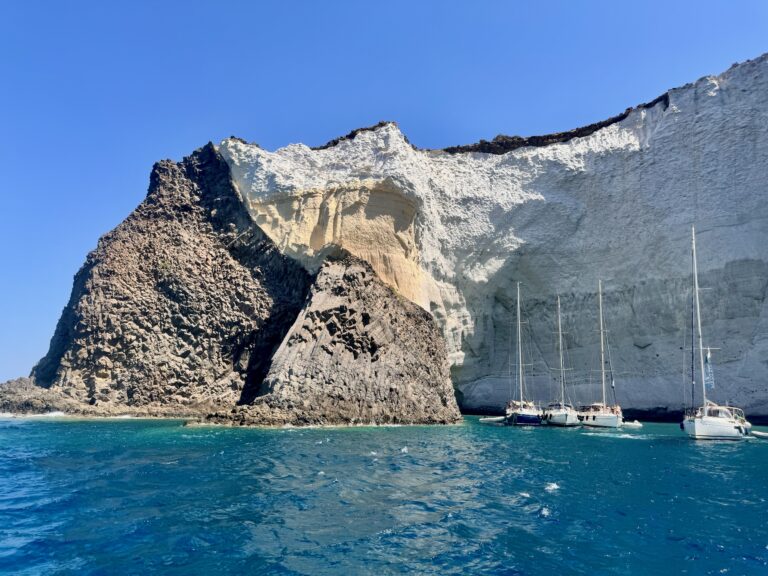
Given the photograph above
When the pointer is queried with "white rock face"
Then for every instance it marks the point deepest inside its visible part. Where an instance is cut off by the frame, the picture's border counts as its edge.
(454, 232)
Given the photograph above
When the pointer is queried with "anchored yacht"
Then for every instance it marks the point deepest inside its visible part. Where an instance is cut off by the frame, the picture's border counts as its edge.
(709, 421)
(521, 412)
(600, 414)
(560, 413)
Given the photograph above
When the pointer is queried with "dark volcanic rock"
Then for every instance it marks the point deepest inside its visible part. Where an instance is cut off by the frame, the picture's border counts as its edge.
(181, 305)
(180, 310)
(351, 135)
(22, 396)
(502, 144)
(357, 354)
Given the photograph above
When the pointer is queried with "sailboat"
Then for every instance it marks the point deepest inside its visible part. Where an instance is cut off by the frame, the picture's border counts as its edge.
(709, 421)
(560, 413)
(599, 414)
(521, 412)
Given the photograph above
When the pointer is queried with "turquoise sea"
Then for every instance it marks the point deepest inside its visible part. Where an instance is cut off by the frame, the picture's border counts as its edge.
(144, 497)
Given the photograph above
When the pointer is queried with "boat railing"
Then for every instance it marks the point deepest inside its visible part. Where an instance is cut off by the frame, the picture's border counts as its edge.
(600, 408)
(591, 408)
(560, 405)
(738, 413)
(717, 411)
(692, 412)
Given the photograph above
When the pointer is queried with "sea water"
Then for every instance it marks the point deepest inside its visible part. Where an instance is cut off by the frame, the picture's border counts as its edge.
(142, 497)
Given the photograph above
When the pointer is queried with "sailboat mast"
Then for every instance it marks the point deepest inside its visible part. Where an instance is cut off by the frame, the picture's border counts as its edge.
(698, 318)
(602, 342)
(560, 346)
(693, 338)
(509, 361)
(519, 347)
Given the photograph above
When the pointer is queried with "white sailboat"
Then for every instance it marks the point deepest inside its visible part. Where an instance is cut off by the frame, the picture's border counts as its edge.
(560, 413)
(600, 414)
(521, 412)
(709, 421)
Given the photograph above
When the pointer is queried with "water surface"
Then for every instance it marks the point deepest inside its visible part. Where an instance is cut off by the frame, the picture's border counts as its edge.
(139, 496)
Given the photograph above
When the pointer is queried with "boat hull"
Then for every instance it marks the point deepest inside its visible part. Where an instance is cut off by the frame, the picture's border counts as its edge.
(562, 418)
(493, 420)
(708, 428)
(601, 420)
(524, 418)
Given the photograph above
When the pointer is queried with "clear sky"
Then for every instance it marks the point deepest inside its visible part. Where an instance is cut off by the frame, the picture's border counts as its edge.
(92, 93)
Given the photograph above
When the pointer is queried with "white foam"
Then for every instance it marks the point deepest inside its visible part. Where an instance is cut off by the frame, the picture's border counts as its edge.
(552, 486)
(54, 414)
(623, 436)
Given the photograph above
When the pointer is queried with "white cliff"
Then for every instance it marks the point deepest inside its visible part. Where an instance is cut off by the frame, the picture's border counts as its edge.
(453, 232)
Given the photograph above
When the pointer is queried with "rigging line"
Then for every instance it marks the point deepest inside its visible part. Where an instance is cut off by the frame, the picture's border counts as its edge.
(566, 381)
(693, 342)
(683, 349)
(509, 356)
(610, 369)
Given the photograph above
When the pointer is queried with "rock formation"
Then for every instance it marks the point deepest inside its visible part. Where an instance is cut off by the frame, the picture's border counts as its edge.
(180, 309)
(454, 230)
(242, 280)
(182, 304)
(358, 353)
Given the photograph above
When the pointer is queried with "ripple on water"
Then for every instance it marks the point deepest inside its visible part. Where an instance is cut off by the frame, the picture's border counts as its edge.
(88, 496)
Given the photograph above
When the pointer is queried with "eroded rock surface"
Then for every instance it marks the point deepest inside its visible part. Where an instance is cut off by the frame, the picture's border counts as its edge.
(180, 309)
(181, 305)
(357, 354)
(455, 230)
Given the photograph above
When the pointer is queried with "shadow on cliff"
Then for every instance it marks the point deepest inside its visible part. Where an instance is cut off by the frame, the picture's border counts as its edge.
(285, 281)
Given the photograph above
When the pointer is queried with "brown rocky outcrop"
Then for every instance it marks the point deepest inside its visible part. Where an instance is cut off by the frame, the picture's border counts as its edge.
(358, 353)
(181, 305)
(502, 143)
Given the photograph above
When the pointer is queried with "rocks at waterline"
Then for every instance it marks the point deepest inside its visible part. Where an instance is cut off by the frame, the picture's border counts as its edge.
(358, 353)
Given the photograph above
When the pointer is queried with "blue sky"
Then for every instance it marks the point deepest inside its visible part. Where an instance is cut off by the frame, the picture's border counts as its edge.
(94, 92)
